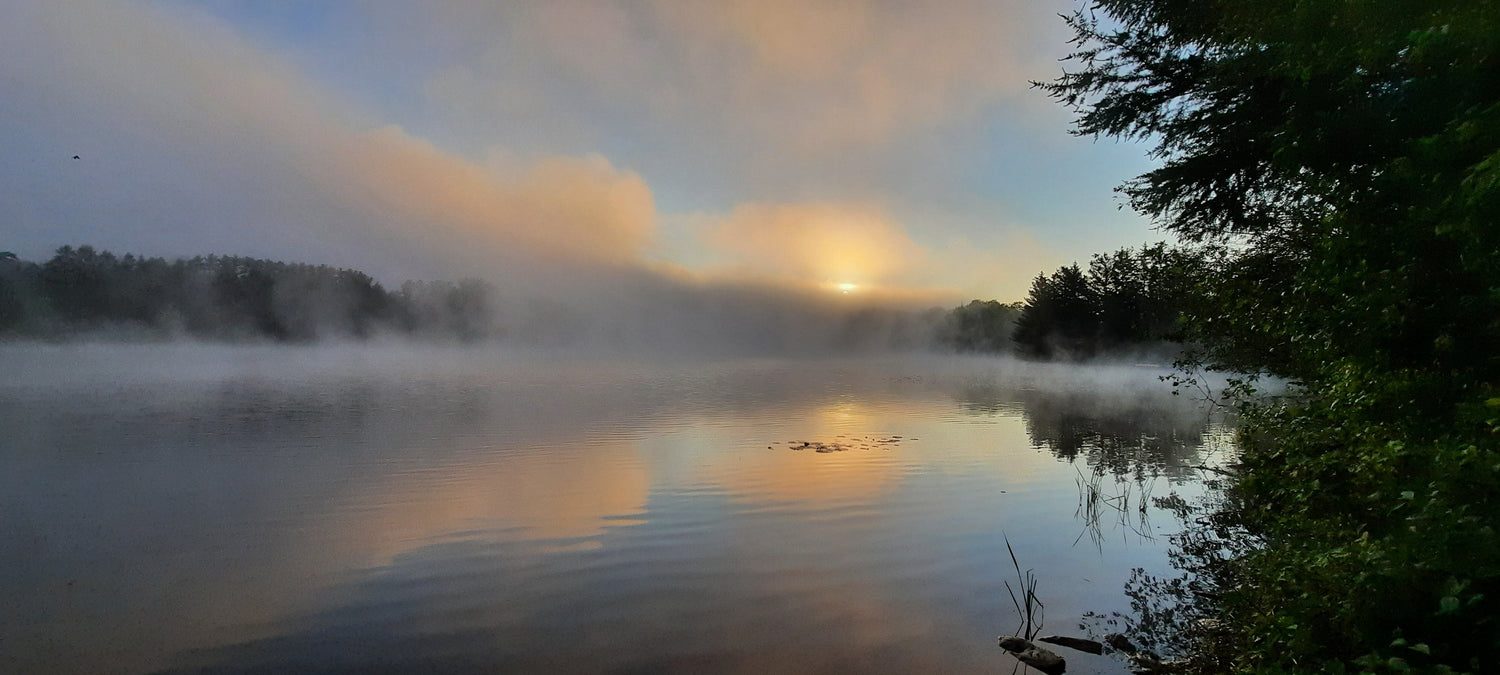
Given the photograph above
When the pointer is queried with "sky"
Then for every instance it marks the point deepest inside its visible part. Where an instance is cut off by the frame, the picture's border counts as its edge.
(890, 149)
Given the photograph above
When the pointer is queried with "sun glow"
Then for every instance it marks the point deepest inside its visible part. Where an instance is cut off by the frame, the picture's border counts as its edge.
(847, 288)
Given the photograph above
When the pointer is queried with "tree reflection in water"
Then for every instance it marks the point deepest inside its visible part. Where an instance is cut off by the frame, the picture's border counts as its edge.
(1138, 433)
(1124, 444)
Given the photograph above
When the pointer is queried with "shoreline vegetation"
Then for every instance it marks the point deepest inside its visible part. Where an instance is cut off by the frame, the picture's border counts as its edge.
(1332, 169)
(1340, 161)
(1124, 303)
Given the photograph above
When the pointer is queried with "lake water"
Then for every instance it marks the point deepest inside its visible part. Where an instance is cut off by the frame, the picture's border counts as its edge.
(260, 509)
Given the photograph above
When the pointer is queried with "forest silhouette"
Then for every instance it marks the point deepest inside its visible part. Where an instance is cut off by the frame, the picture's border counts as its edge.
(1127, 299)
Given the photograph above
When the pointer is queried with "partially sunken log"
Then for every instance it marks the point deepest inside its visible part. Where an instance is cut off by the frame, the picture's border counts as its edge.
(1120, 643)
(1080, 644)
(1033, 656)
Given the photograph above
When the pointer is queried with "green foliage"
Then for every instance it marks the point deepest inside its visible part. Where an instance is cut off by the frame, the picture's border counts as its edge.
(1349, 154)
(1342, 160)
(1370, 536)
(1125, 298)
(1060, 316)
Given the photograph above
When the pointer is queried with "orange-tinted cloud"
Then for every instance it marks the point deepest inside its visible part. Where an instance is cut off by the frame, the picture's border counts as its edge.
(829, 74)
(563, 206)
(816, 242)
(805, 77)
(188, 87)
(999, 267)
(252, 156)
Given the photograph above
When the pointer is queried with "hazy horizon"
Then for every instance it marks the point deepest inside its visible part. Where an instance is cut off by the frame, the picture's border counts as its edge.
(565, 150)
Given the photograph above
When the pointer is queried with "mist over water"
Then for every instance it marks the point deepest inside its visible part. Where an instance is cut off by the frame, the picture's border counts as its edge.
(223, 508)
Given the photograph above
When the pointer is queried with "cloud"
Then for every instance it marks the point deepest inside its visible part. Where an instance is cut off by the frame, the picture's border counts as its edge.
(1000, 267)
(196, 139)
(823, 244)
(558, 206)
(181, 115)
(760, 101)
(848, 72)
(775, 78)
(816, 242)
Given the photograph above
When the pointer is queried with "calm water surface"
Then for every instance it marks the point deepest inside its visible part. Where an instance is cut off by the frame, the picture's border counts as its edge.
(257, 509)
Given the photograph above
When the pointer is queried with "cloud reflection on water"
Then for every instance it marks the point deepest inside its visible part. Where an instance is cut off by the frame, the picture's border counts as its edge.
(582, 518)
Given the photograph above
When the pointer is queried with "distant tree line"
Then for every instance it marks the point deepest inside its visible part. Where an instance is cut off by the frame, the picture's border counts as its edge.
(228, 298)
(980, 326)
(1125, 299)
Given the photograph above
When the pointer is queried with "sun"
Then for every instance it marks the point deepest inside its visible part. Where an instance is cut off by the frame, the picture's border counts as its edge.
(847, 288)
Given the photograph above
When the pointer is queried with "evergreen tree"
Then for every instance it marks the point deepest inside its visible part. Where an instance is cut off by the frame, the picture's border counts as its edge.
(1343, 159)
